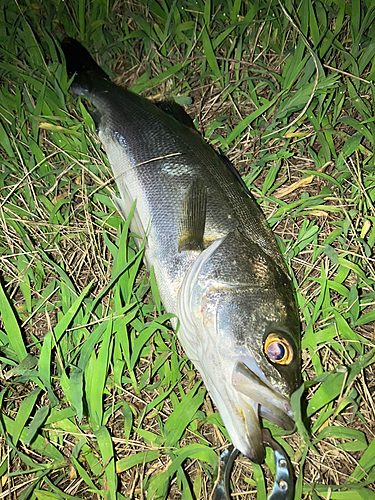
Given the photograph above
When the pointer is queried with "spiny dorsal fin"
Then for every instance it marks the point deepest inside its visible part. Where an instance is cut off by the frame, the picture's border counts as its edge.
(173, 109)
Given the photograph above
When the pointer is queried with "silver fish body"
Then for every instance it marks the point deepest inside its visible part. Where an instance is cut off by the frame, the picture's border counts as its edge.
(216, 261)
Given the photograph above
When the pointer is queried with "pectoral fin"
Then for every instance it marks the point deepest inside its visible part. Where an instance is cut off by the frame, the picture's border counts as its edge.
(193, 217)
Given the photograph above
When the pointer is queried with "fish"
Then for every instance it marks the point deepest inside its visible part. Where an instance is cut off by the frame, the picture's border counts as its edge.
(216, 261)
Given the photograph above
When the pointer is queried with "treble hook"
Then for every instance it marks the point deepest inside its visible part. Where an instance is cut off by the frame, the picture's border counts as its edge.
(283, 488)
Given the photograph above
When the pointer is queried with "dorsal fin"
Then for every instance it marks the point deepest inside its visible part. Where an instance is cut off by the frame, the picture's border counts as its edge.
(233, 170)
(173, 109)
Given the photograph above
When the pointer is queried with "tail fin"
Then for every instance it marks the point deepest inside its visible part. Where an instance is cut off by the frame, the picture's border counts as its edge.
(82, 65)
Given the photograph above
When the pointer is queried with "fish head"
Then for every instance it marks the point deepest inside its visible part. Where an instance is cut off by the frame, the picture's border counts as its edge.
(240, 327)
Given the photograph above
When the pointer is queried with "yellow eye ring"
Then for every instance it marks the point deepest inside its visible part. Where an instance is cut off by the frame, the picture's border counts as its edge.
(278, 350)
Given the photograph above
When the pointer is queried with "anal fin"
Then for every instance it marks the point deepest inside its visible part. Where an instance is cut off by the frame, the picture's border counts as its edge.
(193, 217)
(119, 204)
(124, 207)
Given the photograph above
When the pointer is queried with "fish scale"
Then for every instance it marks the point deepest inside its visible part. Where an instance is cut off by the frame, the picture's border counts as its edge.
(216, 261)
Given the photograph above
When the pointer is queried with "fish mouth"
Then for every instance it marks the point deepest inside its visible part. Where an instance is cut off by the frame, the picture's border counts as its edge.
(260, 400)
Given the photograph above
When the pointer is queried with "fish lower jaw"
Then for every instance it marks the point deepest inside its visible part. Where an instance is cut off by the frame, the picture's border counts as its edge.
(252, 446)
(248, 435)
(244, 429)
(252, 388)
(240, 415)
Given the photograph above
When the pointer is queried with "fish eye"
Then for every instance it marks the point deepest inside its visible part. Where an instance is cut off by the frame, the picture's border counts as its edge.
(278, 349)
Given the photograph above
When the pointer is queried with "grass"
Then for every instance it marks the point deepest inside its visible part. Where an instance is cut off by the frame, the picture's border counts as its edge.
(97, 398)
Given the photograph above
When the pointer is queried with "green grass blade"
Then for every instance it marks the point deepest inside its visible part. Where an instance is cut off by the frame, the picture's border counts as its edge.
(96, 376)
(12, 329)
(106, 450)
(24, 414)
(139, 458)
(181, 417)
(39, 418)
